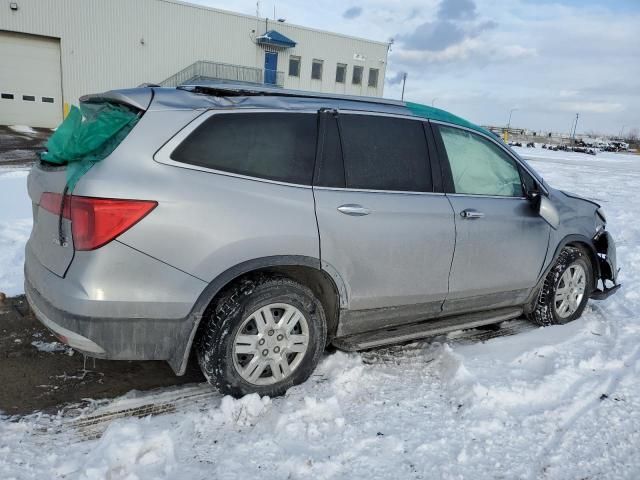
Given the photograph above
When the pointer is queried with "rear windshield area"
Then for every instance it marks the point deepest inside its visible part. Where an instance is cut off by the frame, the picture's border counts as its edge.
(87, 135)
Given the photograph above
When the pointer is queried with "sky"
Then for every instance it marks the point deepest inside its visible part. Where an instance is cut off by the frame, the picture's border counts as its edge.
(547, 59)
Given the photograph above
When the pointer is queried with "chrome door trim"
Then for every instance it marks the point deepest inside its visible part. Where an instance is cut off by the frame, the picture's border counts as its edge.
(365, 190)
(479, 195)
(381, 114)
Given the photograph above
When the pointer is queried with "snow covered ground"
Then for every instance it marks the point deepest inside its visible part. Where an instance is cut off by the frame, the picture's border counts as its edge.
(561, 402)
(15, 227)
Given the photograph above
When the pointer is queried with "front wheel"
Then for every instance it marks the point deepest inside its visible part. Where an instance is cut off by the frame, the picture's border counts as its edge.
(264, 336)
(565, 292)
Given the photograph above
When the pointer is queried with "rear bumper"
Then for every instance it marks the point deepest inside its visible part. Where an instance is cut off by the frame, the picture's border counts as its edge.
(52, 320)
(111, 313)
(113, 339)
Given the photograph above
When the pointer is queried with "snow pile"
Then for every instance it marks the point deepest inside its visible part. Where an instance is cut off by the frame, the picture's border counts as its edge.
(22, 129)
(128, 451)
(49, 347)
(15, 228)
(244, 411)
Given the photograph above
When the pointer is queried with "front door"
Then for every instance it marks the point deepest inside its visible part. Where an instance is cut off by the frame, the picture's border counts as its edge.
(270, 67)
(384, 231)
(501, 241)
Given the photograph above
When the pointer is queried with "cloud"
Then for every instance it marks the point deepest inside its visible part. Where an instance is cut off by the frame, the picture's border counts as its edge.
(442, 34)
(590, 107)
(452, 26)
(434, 36)
(351, 13)
(470, 49)
(457, 10)
(396, 79)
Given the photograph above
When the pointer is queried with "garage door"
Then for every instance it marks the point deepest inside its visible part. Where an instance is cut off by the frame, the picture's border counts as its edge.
(30, 80)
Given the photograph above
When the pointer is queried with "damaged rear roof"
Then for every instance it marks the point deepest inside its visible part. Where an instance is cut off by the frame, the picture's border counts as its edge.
(226, 95)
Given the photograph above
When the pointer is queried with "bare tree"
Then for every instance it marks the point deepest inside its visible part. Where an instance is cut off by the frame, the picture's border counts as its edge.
(632, 136)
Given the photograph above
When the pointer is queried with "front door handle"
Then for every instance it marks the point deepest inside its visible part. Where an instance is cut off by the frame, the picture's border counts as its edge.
(353, 209)
(471, 213)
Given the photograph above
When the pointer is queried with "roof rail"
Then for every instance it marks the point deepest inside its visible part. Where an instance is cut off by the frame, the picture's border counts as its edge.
(238, 89)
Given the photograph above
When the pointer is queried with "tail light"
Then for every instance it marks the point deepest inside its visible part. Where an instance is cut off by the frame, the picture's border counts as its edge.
(96, 221)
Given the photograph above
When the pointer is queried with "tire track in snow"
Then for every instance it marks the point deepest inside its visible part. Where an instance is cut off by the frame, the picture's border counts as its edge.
(583, 406)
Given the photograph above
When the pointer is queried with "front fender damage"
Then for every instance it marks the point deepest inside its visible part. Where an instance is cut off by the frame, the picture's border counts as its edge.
(606, 254)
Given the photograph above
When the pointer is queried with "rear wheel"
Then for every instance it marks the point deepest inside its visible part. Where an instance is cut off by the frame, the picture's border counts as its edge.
(565, 292)
(264, 336)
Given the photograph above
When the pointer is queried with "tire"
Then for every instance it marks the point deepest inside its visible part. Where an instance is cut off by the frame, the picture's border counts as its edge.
(226, 358)
(549, 308)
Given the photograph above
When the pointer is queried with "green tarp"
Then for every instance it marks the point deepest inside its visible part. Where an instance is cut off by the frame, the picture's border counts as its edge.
(437, 114)
(88, 134)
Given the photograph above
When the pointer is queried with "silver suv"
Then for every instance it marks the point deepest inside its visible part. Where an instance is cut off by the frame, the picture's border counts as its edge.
(257, 226)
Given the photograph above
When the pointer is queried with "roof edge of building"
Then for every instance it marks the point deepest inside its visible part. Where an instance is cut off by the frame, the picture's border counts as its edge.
(261, 19)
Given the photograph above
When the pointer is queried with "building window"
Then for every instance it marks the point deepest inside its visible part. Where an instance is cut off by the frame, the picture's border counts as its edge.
(341, 73)
(316, 69)
(47, 100)
(294, 66)
(7, 96)
(373, 77)
(356, 79)
(28, 98)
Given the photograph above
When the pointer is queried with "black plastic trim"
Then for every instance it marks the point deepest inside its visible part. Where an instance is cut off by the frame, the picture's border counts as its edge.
(179, 361)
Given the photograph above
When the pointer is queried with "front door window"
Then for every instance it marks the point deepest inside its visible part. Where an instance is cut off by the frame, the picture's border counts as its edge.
(479, 167)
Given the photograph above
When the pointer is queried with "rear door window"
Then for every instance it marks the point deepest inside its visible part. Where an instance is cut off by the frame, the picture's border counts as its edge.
(275, 146)
(385, 153)
(478, 166)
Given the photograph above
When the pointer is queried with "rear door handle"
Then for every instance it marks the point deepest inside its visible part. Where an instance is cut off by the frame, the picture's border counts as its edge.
(471, 213)
(354, 210)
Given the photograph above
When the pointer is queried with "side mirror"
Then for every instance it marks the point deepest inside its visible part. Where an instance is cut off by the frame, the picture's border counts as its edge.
(541, 203)
(548, 211)
(545, 208)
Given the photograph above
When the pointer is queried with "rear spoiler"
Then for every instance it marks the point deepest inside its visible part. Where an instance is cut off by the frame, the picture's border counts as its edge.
(138, 98)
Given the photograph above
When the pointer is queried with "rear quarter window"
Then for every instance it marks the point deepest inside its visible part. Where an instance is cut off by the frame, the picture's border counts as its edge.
(273, 146)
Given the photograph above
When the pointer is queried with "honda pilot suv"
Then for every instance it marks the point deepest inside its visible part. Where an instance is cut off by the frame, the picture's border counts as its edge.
(256, 226)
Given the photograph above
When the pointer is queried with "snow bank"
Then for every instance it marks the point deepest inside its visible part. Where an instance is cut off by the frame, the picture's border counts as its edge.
(15, 228)
(22, 129)
(128, 451)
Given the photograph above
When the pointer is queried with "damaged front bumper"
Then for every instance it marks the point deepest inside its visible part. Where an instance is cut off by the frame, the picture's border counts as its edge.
(608, 270)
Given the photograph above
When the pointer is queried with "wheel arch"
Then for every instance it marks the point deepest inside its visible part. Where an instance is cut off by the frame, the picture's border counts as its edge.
(325, 282)
(571, 240)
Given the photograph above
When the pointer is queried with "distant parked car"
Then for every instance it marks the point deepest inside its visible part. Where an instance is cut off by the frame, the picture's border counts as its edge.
(259, 225)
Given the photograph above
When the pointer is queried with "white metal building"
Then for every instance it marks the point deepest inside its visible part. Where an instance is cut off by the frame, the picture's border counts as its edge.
(54, 51)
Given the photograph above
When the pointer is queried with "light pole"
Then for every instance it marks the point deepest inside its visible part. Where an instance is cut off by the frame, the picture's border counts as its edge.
(433, 101)
(575, 127)
(509, 122)
(404, 80)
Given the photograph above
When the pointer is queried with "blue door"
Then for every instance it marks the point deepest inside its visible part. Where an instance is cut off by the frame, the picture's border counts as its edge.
(270, 67)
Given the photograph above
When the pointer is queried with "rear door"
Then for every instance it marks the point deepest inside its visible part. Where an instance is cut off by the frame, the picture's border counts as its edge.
(501, 241)
(382, 228)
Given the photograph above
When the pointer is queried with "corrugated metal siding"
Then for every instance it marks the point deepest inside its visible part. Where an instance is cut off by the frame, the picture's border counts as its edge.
(123, 43)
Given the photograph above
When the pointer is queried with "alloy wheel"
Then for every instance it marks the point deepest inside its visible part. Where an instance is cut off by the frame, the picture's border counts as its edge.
(270, 344)
(570, 290)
